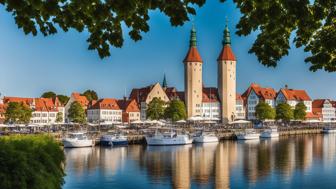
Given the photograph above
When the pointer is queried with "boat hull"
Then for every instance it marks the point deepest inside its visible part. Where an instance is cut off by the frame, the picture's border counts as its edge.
(205, 139)
(152, 141)
(329, 131)
(248, 137)
(269, 135)
(77, 143)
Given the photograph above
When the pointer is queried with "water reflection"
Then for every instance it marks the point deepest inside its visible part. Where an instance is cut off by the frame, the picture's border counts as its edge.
(230, 164)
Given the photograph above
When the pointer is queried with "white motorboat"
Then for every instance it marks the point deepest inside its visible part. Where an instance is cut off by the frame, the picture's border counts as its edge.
(77, 140)
(168, 138)
(270, 133)
(248, 134)
(328, 130)
(113, 139)
(203, 137)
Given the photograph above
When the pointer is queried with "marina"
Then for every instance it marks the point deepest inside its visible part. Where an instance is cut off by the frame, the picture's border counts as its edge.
(301, 161)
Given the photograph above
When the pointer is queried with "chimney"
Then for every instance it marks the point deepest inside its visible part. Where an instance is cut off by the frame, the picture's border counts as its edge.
(286, 86)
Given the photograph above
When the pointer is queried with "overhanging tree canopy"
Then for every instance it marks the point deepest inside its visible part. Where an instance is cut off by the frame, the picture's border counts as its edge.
(314, 23)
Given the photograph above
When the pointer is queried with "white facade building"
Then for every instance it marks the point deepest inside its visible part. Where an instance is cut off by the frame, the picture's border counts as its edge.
(254, 94)
(293, 97)
(324, 109)
(105, 110)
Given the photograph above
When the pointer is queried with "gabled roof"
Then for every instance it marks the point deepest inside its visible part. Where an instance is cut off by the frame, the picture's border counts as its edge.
(210, 94)
(140, 94)
(318, 103)
(226, 54)
(106, 104)
(81, 99)
(129, 105)
(27, 101)
(261, 92)
(172, 94)
(293, 94)
(45, 105)
(193, 55)
(239, 97)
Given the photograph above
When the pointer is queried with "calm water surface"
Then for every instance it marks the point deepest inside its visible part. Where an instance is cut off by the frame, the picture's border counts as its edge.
(291, 162)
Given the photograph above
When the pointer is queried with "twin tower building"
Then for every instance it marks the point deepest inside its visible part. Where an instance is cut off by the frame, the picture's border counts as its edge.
(226, 81)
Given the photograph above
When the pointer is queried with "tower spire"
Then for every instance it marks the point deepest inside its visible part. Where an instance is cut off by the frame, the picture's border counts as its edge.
(193, 40)
(164, 82)
(226, 37)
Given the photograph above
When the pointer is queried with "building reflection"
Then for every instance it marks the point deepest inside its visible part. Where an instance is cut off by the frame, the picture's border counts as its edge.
(210, 165)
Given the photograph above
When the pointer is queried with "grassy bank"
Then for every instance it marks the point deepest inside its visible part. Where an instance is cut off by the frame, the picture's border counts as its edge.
(31, 162)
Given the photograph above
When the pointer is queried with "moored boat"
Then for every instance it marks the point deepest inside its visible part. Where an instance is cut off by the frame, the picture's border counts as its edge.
(248, 134)
(270, 133)
(203, 137)
(113, 140)
(168, 138)
(77, 140)
(328, 130)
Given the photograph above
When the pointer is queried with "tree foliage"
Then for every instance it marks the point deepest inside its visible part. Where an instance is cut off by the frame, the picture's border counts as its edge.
(90, 95)
(59, 117)
(31, 162)
(155, 109)
(18, 113)
(300, 111)
(284, 112)
(264, 111)
(77, 113)
(314, 23)
(63, 99)
(48, 94)
(175, 111)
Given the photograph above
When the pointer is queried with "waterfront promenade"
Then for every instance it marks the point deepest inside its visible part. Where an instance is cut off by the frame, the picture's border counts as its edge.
(136, 133)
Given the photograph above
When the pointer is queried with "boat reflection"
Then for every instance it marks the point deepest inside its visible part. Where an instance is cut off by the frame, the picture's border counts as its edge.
(214, 165)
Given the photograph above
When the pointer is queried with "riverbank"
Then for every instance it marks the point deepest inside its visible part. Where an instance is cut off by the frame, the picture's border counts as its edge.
(137, 135)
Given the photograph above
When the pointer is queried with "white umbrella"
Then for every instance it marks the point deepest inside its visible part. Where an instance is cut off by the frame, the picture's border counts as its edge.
(311, 121)
(181, 121)
(195, 118)
(137, 122)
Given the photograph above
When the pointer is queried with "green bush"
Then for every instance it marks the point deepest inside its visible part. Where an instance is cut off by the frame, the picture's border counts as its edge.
(31, 162)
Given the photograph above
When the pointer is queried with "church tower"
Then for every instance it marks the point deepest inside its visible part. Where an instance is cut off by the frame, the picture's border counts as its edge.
(227, 79)
(193, 78)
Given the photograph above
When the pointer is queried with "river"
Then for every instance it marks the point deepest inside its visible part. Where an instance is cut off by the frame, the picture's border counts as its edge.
(307, 161)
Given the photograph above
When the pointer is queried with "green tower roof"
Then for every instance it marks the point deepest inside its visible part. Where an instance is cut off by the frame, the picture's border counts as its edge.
(193, 40)
(226, 37)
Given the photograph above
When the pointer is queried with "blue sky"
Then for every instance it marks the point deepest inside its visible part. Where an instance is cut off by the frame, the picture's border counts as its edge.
(61, 63)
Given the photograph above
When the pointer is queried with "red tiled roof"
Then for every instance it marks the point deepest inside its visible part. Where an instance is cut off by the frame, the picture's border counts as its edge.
(193, 55)
(291, 94)
(27, 101)
(238, 97)
(106, 104)
(80, 99)
(128, 105)
(210, 94)
(264, 93)
(140, 95)
(45, 104)
(38, 104)
(318, 103)
(310, 115)
(226, 54)
(172, 93)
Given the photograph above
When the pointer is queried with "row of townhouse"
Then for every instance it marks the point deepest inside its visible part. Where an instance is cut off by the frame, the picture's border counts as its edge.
(106, 110)
(45, 110)
(209, 109)
(320, 109)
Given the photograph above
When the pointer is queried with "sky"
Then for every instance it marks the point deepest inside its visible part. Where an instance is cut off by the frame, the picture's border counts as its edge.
(61, 63)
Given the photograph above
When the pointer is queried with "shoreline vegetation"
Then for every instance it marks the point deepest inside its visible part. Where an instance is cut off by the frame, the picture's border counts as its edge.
(31, 162)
